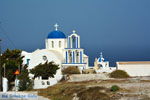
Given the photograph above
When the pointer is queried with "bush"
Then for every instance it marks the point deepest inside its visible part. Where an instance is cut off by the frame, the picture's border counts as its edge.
(71, 70)
(119, 74)
(25, 83)
(114, 88)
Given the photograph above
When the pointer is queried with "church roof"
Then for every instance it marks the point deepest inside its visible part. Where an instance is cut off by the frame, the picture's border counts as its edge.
(56, 34)
(100, 59)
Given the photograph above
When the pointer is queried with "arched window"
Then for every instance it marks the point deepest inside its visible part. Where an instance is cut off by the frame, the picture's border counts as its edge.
(28, 60)
(70, 56)
(59, 44)
(77, 56)
(52, 44)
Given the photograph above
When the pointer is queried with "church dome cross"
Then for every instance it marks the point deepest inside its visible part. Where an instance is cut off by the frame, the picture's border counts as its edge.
(56, 26)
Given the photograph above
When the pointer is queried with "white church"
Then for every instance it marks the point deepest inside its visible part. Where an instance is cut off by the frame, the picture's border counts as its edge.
(66, 51)
(62, 50)
(101, 65)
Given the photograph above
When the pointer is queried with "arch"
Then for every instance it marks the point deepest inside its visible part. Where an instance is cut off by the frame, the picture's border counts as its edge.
(77, 56)
(74, 41)
(70, 56)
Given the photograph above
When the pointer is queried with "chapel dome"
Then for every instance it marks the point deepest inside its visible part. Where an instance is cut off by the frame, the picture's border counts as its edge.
(100, 59)
(56, 34)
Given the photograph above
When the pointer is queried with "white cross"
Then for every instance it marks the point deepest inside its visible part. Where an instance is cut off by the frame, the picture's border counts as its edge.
(56, 26)
(74, 31)
(101, 54)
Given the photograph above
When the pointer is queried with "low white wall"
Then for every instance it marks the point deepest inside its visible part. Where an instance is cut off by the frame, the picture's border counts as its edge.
(43, 83)
(135, 69)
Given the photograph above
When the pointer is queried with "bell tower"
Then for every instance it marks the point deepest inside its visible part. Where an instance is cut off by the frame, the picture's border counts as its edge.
(74, 54)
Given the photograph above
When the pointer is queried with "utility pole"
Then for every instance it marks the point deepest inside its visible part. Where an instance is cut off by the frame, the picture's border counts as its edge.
(0, 67)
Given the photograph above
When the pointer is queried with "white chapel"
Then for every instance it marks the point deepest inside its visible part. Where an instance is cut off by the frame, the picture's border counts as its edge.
(62, 50)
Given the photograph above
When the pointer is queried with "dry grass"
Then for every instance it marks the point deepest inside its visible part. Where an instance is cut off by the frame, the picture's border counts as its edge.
(66, 91)
(94, 93)
(71, 70)
(87, 89)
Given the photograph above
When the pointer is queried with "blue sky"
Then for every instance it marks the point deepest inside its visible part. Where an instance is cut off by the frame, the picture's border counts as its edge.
(118, 28)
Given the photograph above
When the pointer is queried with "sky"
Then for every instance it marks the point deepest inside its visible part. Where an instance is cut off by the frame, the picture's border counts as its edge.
(118, 28)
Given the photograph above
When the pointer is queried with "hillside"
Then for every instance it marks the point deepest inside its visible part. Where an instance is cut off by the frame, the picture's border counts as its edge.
(131, 88)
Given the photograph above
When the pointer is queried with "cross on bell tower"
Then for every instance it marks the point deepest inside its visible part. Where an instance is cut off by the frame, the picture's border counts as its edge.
(101, 55)
(74, 32)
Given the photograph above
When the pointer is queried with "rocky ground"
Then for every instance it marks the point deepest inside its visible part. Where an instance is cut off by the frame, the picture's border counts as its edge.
(137, 88)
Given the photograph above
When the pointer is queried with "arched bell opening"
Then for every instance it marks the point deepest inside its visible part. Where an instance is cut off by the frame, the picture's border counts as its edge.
(70, 56)
(74, 41)
(77, 56)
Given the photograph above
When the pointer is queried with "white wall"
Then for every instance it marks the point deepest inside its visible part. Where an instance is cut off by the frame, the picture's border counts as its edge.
(38, 82)
(86, 60)
(135, 69)
(56, 44)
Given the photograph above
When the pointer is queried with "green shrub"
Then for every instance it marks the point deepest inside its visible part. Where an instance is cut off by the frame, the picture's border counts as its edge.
(119, 74)
(114, 88)
(25, 83)
(71, 70)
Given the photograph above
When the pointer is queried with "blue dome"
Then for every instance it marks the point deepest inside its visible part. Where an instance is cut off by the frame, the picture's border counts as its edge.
(56, 34)
(100, 60)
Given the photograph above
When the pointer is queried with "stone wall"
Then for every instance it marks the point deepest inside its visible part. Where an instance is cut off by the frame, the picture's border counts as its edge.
(87, 77)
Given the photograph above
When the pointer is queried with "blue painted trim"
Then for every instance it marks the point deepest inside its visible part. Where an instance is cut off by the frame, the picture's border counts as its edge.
(80, 56)
(77, 43)
(73, 58)
(66, 57)
(69, 43)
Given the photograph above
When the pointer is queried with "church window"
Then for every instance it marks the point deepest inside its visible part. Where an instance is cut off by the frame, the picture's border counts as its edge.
(44, 58)
(59, 44)
(52, 44)
(100, 65)
(48, 83)
(44, 78)
(28, 60)
(43, 83)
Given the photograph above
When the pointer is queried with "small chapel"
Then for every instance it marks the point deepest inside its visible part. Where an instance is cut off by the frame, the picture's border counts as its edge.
(62, 50)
